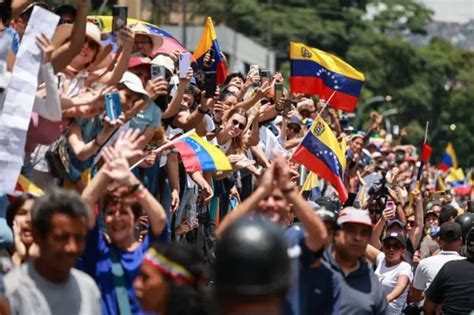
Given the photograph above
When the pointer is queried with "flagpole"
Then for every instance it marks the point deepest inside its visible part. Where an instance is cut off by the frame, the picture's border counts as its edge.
(420, 169)
(426, 130)
(317, 117)
(157, 150)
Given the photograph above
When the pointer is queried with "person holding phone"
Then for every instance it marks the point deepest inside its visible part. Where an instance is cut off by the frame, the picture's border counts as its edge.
(394, 274)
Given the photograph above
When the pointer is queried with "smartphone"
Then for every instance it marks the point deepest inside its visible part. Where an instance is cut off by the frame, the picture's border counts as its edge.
(255, 67)
(184, 62)
(113, 108)
(119, 20)
(157, 71)
(210, 83)
(278, 91)
(390, 206)
(287, 108)
(265, 75)
(396, 130)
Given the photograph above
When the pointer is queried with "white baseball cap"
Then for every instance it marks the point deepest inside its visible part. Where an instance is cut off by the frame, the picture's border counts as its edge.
(133, 82)
(354, 215)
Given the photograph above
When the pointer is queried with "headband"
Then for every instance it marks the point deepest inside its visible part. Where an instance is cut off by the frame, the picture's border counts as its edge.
(168, 267)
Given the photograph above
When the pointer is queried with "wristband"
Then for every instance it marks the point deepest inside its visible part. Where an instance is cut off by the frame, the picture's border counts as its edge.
(202, 111)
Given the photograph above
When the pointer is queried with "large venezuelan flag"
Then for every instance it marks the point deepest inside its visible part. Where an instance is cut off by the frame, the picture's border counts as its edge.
(198, 154)
(317, 72)
(449, 158)
(322, 154)
(209, 41)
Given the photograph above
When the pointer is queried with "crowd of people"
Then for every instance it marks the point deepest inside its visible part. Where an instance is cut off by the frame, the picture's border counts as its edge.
(124, 228)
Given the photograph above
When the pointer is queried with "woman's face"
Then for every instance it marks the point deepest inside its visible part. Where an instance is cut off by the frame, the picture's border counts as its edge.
(88, 52)
(151, 289)
(120, 222)
(23, 219)
(393, 251)
(235, 124)
(128, 99)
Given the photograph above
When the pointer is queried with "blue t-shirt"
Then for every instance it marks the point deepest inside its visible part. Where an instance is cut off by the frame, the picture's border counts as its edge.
(150, 116)
(15, 39)
(320, 291)
(97, 263)
(300, 256)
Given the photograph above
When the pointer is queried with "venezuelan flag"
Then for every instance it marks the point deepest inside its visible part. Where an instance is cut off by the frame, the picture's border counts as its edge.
(449, 158)
(209, 41)
(24, 185)
(198, 154)
(321, 153)
(317, 72)
(439, 184)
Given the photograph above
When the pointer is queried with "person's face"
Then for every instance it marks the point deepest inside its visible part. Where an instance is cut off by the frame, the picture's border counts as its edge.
(151, 289)
(393, 251)
(188, 99)
(237, 81)
(436, 209)
(19, 25)
(88, 52)
(275, 206)
(64, 243)
(235, 125)
(142, 44)
(67, 18)
(230, 100)
(128, 98)
(293, 130)
(23, 219)
(234, 88)
(352, 239)
(119, 221)
(410, 223)
(431, 220)
(143, 72)
(356, 145)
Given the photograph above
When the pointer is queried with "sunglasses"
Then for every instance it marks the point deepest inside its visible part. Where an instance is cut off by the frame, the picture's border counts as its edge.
(92, 44)
(235, 122)
(393, 245)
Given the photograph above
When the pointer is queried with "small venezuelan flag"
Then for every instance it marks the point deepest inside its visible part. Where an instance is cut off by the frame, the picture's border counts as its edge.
(449, 158)
(321, 153)
(209, 41)
(24, 185)
(317, 72)
(198, 154)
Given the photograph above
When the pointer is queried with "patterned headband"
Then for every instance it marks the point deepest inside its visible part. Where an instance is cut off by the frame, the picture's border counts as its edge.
(168, 267)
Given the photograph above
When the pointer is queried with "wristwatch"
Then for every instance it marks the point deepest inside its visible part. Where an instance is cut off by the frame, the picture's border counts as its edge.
(202, 111)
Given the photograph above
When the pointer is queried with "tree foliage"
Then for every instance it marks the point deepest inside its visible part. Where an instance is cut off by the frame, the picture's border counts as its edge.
(434, 83)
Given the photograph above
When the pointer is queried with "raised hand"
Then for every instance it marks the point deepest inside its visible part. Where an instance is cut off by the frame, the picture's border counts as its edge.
(116, 166)
(46, 46)
(157, 87)
(126, 37)
(127, 142)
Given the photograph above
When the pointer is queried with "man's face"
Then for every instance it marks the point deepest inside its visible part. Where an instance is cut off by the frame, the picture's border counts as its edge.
(142, 44)
(352, 239)
(275, 206)
(64, 243)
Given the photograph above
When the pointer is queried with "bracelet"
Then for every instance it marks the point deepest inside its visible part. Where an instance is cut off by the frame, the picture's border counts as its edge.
(202, 111)
(97, 142)
(288, 190)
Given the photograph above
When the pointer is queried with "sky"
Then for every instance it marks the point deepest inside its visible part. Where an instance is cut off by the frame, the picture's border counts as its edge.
(451, 10)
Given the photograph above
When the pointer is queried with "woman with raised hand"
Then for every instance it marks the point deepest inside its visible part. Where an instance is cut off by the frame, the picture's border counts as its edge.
(394, 273)
(113, 258)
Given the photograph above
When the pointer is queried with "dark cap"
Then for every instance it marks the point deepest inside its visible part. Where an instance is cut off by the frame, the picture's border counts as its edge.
(450, 231)
(391, 223)
(396, 236)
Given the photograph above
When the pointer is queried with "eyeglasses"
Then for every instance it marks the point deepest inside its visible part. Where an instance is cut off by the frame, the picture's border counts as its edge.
(235, 122)
(392, 245)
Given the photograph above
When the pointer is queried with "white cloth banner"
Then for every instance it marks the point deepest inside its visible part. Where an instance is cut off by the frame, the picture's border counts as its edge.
(20, 96)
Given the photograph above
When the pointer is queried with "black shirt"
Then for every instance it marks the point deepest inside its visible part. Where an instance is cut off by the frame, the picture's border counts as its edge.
(453, 287)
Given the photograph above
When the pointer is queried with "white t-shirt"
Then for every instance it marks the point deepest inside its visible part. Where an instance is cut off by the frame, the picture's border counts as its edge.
(429, 267)
(388, 277)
